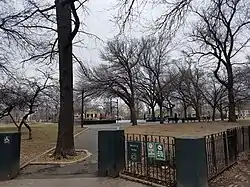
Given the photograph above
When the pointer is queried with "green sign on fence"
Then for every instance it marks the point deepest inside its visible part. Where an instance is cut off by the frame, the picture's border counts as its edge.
(151, 149)
(160, 153)
(156, 151)
(134, 151)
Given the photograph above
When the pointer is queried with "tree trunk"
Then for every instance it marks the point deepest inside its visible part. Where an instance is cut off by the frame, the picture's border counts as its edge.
(65, 138)
(82, 108)
(221, 115)
(133, 115)
(171, 112)
(213, 114)
(197, 113)
(153, 112)
(161, 115)
(24, 122)
(185, 110)
(231, 105)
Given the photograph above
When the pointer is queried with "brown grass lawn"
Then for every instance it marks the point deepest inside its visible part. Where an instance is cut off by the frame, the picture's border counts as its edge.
(44, 137)
(184, 129)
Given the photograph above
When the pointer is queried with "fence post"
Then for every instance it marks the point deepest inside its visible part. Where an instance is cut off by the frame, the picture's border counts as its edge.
(111, 152)
(235, 143)
(225, 148)
(213, 152)
(243, 138)
(191, 164)
(230, 143)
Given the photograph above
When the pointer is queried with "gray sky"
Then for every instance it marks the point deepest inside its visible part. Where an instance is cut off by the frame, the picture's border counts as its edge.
(98, 22)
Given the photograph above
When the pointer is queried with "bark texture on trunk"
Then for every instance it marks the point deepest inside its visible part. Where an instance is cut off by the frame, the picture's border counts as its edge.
(153, 112)
(213, 114)
(231, 105)
(133, 115)
(65, 138)
(161, 115)
(197, 113)
(185, 110)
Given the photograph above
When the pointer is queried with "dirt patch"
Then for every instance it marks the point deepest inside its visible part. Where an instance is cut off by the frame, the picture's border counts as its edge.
(48, 158)
(44, 137)
(184, 129)
(236, 176)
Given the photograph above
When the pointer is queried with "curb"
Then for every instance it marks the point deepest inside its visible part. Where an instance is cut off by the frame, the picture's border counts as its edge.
(139, 180)
(51, 149)
(64, 163)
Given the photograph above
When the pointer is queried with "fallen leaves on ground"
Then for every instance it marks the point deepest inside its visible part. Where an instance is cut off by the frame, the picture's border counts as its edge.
(49, 158)
(236, 176)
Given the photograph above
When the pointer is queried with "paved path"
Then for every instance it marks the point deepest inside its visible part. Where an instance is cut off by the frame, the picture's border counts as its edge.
(81, 174)
(70, 182)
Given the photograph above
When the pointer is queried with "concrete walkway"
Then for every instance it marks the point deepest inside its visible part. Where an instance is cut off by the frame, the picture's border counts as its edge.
(70, 182)
(77, 175)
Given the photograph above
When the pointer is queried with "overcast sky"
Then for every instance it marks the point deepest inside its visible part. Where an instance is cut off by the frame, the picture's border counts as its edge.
(98, 21)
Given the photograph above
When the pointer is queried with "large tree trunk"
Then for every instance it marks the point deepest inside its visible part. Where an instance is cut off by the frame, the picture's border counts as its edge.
(185, 110)
(197, 112)
(133, 115)
(161, 115)
(231, 105)
(153, 112)
(213, 114)
(65, 138)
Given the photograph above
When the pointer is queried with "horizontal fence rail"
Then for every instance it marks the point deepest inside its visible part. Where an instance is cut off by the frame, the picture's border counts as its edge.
(223, 148)
(151, 158)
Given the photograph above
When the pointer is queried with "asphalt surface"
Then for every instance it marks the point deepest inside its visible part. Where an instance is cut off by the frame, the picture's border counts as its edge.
(77, 175)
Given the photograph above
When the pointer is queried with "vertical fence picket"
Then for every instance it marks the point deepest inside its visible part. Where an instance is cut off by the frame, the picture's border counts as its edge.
(222, 150)
(225, 148)
(157, 171)
(243, 138)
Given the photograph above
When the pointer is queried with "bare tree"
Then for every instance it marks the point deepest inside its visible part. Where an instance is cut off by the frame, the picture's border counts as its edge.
(219, 33)
(167, 22)
(189, 85)
(118, 78)
(30, 97)
(213, 93)
(9, 100)
(23, 95)
(241, 87)
(155, 62)
(146, 90)
(146, 83)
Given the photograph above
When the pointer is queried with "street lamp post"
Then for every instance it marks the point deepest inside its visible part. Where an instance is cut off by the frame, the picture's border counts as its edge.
(82, 107)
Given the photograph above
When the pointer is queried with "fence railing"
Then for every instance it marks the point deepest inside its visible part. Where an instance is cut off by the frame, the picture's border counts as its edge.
(223, 148)
(151, 158)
